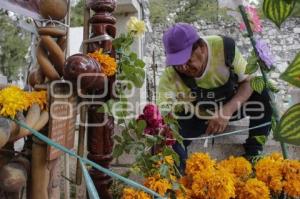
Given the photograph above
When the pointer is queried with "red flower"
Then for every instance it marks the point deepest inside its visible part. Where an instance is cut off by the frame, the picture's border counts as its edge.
(152, 116)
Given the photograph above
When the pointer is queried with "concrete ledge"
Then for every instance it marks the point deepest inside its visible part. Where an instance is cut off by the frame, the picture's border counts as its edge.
(126, 6)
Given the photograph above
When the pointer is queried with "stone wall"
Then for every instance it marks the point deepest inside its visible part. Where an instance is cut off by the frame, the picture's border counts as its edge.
(284, 44)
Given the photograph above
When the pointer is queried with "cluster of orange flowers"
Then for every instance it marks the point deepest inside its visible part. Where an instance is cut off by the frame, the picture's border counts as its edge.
(279, 174)
(231, 178)
(13, 99)
(108, 65)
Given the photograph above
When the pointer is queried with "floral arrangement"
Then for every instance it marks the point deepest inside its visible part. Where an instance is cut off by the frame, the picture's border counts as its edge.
(253, 17)
(231, 178)
(108, 64)
(156, 124)
(13, 99)
(150, 137)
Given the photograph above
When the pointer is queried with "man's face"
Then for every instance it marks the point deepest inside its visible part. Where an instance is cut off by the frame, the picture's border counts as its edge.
(195, 66)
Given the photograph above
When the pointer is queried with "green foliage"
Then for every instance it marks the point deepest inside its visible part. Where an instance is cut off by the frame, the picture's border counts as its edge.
(133, 140)
(257, 84)
(288, 128)
(158, 10)
(296, 11)
(292, 73)
(14, 44)
(261, 139)
(199, 9)
(77, 14)
(278, 11)
(130, 67)
(252, 65)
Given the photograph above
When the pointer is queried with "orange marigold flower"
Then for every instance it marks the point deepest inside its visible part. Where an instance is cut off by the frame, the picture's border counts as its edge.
(39, 97)
(254, 189)
(213, 183)
(291, 169)
(12, 100)
(238, 166)
(108, 64)
(198, 162)
(159, 185)
(292, 187)
(129, 193)
(270, 171)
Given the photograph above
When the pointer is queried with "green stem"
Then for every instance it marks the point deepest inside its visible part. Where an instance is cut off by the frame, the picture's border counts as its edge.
(265, 78)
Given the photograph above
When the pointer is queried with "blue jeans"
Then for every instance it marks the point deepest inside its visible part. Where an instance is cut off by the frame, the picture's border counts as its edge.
(195, 127)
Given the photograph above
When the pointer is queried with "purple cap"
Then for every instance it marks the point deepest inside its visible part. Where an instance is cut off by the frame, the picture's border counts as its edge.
(178, 42)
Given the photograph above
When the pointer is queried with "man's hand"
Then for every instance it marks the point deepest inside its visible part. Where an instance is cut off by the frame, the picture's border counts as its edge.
(219, 121)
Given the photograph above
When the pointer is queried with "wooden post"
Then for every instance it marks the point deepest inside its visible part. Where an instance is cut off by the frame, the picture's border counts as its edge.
(100, 142)
(83, 110)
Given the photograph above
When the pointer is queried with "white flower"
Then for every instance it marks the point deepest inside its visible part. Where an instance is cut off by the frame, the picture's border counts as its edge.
(136, 26)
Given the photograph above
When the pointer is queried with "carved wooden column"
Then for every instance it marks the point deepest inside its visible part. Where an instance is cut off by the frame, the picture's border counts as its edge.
(100, 142)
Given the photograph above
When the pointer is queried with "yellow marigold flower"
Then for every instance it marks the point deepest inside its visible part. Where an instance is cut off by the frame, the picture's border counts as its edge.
(291, 169)
(129, 193)
(276, 156)
(217, 184)
(198, 162)
(292, 187)
(186, 194)
(136, 26)
(186, 181)
(12, 100)
(239, 184)
(39, 97)
(270, 171)
(158, 185)
(169, 160)
(254, 189)
(108, 64)
(238, 166)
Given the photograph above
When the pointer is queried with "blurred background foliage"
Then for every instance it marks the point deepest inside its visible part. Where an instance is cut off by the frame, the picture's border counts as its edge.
(14, 45)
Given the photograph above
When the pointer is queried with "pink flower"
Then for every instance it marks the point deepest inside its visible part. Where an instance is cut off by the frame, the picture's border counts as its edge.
(152, 116)
(253, 17)
(151, 131)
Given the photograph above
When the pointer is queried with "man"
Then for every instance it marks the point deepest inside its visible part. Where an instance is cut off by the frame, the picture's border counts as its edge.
(208, 74)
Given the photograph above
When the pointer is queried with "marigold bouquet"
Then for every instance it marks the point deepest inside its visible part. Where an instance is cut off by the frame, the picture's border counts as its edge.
(231, 178)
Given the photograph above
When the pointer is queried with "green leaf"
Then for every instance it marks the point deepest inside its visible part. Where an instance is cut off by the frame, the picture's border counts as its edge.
(252, 65)
(137, 77)
(139, 63)
(272, 87)
(151, 140)
(175, 186)
(133, 56)
(262, 139)
(274, 124)
(132, 123)
(292, 73)
(126, 135)
(118, 138)
(118, 150)
(257, 84)
(278, 10)
(163, 170)
(141, 125)
(288, 129)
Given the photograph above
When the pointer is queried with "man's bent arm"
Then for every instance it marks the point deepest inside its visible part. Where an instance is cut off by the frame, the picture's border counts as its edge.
(242, 95)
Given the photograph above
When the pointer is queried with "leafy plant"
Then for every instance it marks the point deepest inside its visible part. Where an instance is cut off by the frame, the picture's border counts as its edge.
(286, 128)
(12, 54)
(77, 14)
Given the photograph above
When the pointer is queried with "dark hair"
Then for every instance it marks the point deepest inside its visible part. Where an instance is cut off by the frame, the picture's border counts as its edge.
(199, 42)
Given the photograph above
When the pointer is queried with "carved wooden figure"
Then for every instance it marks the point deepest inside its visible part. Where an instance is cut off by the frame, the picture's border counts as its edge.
(100, 142)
